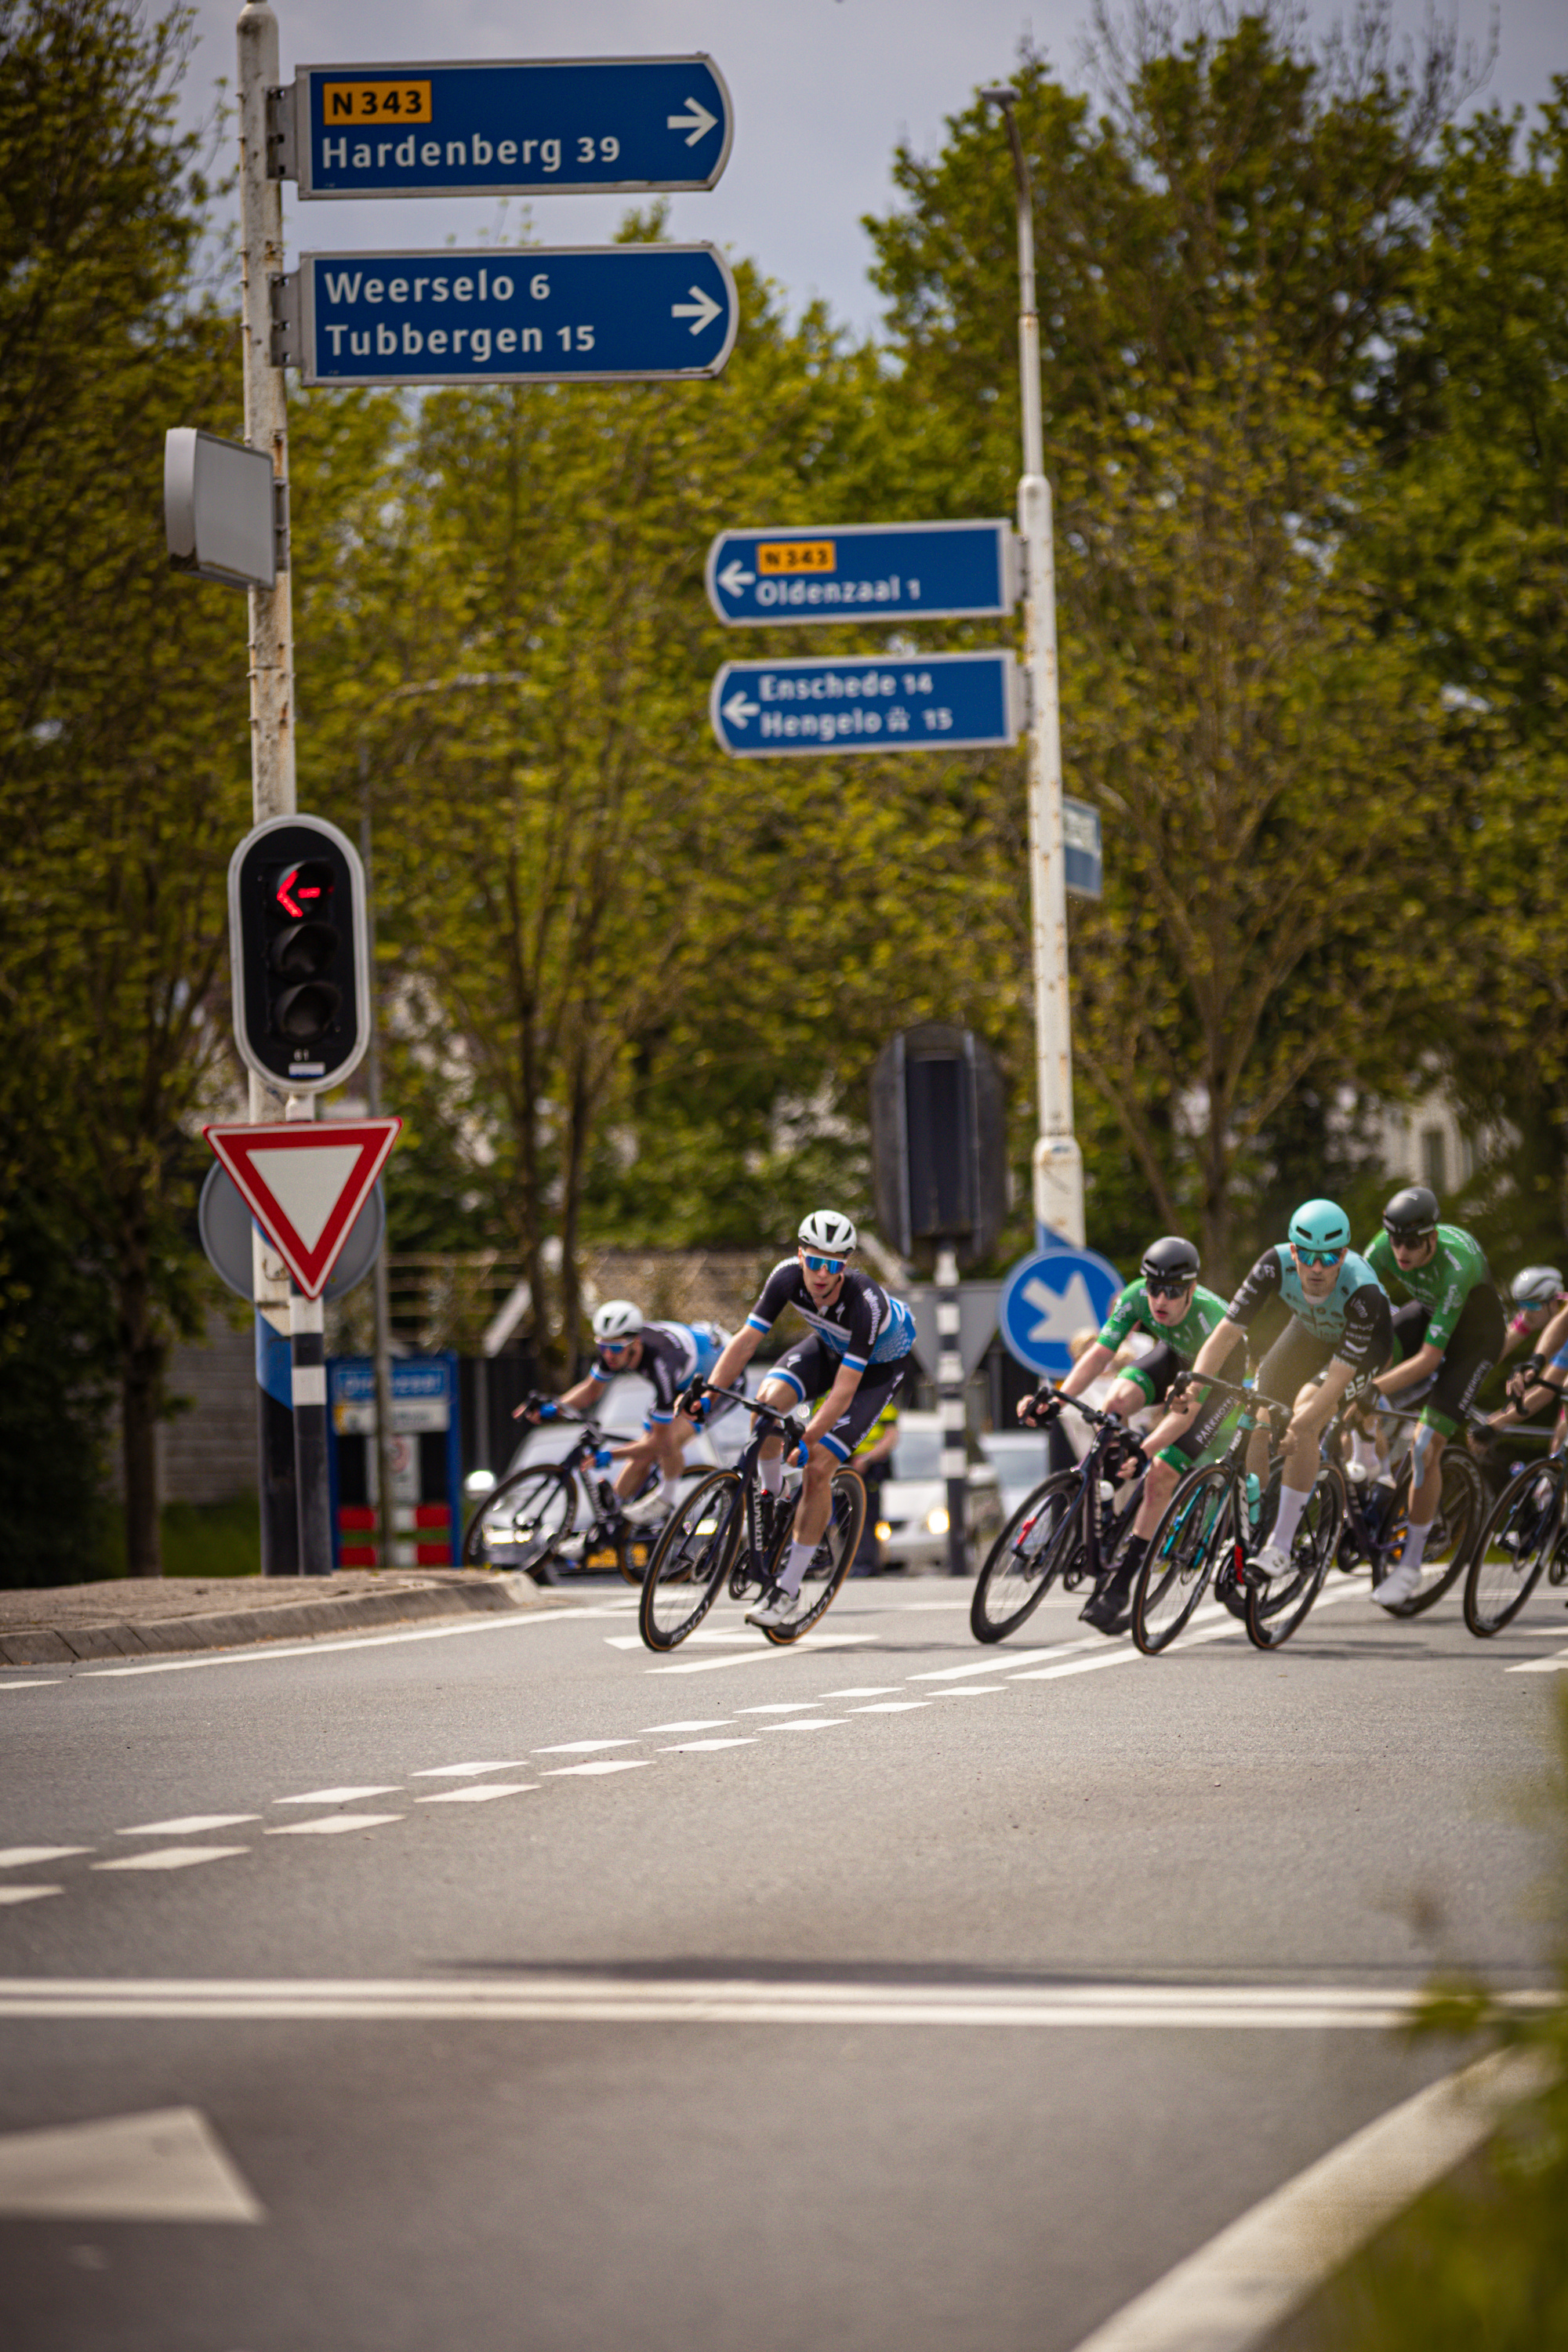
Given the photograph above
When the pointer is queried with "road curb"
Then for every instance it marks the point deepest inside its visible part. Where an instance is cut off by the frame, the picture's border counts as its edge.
(287, 1621)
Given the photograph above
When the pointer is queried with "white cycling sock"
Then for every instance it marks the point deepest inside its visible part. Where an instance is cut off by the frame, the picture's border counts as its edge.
(1365, 1453)
(669, 1487)
(797, 1561)
(1414, 1544)
(1288, 1518)
(770, 1469)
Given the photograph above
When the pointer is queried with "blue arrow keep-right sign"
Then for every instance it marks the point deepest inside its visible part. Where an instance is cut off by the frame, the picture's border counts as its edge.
(1048, 1297)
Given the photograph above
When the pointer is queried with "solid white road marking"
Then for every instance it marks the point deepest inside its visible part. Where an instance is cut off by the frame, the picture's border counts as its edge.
(22, 1857)
(188, 1825)
(33, 1682)
(171, 1857)
(26, 1894)
(339, 1796)
(1243, 2008)
(706, 1747)
(479, 1793)
(614, 1764)
(768, 1653)
(634, 1640)
(1555, 1666)
(463, 1772)
(1248, 2280)
(995, 1666)
(333, 1825)
(168, 2166)
(264, 1653)
(581, 1747)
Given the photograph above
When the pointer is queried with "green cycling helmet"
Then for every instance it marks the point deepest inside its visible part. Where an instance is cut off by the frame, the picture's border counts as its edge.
(1321, 1225)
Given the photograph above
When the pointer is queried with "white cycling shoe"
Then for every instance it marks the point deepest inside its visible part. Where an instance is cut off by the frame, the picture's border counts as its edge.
(1268, 1563)
(1401, 1584)
(776, 1608)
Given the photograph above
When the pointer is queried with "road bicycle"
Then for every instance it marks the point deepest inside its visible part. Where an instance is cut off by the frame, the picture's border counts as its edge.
(555, 1520)
(1526, 1535)
(728, 1531)
(1378, 1519)
(1069, 1528)
(1217, 1518)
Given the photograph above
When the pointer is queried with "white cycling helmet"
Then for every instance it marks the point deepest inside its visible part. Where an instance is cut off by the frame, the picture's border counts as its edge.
(827, 1230)
(618, 1319)
(1536, 1285)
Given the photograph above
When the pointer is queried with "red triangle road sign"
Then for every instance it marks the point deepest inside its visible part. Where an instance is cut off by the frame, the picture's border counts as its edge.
(305, 1185)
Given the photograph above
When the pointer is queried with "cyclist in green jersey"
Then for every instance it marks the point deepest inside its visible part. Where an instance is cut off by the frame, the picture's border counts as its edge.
(1447, 1339)
(1169, 1304)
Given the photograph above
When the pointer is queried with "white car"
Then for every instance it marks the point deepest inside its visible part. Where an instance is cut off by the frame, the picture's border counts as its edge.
(911, 1532)
(1020, 1458)
(620, 1412)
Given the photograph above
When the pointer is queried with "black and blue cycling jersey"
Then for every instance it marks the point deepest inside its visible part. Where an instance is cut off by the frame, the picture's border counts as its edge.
(863, 1325)
(672, 1354)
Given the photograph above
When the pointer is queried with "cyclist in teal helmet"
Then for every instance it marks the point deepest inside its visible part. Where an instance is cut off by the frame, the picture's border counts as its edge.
(1339, 1327)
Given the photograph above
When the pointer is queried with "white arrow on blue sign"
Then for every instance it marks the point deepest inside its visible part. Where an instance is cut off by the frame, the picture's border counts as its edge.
(537, 314)
(863, 572)
(1048, 1297)
(541, 126)
(927, 702)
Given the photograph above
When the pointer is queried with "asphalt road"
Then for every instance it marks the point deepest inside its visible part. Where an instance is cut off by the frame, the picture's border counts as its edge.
(882, 1993)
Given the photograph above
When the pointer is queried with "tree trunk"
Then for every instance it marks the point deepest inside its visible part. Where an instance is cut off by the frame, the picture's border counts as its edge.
(143, 1356)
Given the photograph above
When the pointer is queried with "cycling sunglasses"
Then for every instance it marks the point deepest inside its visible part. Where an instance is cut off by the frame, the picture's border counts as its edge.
(1168, 1289)
(822, 1265)
(1317, 1257)
(615, 1347)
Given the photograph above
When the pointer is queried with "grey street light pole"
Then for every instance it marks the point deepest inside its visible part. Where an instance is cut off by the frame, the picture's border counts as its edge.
(1059, 1163)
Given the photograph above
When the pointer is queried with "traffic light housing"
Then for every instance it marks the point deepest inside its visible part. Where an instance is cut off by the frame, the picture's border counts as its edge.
(299, 944)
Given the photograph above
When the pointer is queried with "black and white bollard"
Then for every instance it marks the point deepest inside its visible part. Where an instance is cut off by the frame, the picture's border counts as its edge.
(312, 1476)
(950, 1401)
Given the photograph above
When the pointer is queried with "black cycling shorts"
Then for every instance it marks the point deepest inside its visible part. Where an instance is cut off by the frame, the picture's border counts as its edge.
(1299, 1356)
(811, 1370)
(1473, 1350)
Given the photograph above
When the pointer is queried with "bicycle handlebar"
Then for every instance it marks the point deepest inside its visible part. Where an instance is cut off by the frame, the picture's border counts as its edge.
(1228, 1388)
(739, 1396)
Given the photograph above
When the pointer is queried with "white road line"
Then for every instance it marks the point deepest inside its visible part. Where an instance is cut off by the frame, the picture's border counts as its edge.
(465, 1771)
(768, 1653)
(333, 1825)
(23, 1857)
(582, 1746)
(26, 1894)
(862, 1690)
(479, 1793)
(1089, 2008)
(781, 1707)
(188, 1825)
(264, 1653)
(171, 1857)
(1249, 2279)
(705, 1746)
(35, 1682)
(972, 1690)
(1555, 1666)
(701, 1723)
(339, 1796)
(634, 1640)
(586, 1771)
(895, 1705)
(995, 1664)
(814, 1723)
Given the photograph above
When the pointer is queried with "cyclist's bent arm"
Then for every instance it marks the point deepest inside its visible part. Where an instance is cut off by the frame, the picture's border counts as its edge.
(737, 1355)
(1555, 1336)
(838, 1400)
(1417, 1367)
(578, 1399)
(1215, 1353)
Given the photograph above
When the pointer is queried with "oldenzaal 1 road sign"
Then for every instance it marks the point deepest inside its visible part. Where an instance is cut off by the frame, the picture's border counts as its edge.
(562, 314)
(305, 1185)
(864, 572)
(567, 126)
(926, 702)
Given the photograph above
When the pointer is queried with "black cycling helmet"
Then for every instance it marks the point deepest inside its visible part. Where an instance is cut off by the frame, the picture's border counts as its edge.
(1172, 1259)
(1411, 1213)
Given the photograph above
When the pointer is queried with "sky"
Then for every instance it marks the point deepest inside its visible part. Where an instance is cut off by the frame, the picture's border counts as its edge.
(824, 91)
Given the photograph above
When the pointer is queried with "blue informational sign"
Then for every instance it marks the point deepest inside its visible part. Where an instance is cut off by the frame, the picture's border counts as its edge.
(1048, 1297)
(576, 314)
(1080, 849)
(928, 702)
(568, 126)
(863, 572)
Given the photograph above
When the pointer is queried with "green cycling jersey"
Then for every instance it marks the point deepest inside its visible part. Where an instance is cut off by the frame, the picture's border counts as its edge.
(1453, 1269)
(1131, 1312)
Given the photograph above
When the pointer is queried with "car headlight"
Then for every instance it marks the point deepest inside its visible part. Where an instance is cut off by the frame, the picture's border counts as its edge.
(478, 1482)
(883, 1531)
(936, 1521)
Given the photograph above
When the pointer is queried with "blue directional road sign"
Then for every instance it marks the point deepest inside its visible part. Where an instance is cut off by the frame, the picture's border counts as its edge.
(864, 572)
(1048, 1297)
(566, 126)
(538, 314)
(930, 702)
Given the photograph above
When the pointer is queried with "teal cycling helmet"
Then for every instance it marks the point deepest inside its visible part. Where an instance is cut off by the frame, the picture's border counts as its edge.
(1321, 1225)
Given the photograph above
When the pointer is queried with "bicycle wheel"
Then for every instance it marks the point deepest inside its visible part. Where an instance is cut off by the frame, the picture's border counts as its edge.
(1025, 1557)
(1276, 1608)
(829, 1563)
(1461, 1506)
(690, 1561)
(1515, 1545)
(521, 1522)
(1190, 1534)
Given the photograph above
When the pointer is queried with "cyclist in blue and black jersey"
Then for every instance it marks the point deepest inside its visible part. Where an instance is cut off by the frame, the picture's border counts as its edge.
(850, 1369)
(668, 1355)
(1340, 1327)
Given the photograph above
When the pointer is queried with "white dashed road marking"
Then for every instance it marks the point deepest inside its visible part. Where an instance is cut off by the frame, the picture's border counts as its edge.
(23, 1857)
(333, 1825)
(9, 1894)
(189, 1825)
(339, 1796)
(172, 1857)
(464, 1771)
(706, 1746)
(479, 1793)
(616, 1764)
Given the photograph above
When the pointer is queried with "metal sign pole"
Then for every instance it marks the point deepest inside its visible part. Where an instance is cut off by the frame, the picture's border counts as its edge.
(272, 712)
(1059, 1164)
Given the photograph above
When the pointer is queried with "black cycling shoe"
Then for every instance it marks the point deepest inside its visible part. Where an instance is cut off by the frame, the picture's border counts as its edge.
(1109, 1608)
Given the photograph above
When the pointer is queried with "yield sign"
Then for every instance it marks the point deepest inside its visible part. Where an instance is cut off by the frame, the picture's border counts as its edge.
(305, 1185)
